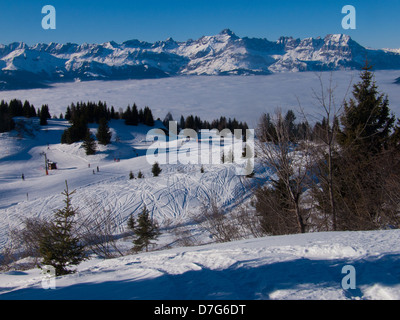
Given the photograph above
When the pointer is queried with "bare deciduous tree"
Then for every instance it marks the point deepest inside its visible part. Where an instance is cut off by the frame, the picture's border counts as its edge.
(99, 229)
(290, 163)
(326, 144)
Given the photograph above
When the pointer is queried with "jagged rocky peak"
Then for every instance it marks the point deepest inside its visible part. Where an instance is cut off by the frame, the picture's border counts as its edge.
(311, 43)
(170, 43)
(229, 33)
(288, 42)
(341, 39)
(220, 54)
(110, 45)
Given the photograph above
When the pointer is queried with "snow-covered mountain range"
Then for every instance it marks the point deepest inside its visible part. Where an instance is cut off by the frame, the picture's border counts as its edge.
(24, 66)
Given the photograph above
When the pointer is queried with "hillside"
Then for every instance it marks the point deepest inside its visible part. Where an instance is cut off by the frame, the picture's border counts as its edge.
(175, 195)
(304, 266)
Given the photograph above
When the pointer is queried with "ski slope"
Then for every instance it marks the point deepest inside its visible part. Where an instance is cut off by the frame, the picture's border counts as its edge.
(304, 266)
(174, 196)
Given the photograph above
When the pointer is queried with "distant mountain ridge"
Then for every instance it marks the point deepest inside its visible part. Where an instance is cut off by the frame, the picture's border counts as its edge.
(23, 66)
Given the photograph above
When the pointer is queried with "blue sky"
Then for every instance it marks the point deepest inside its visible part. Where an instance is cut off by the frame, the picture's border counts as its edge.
(378, 22)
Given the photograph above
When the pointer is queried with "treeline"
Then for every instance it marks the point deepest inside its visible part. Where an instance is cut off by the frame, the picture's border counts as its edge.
(268, 128)
(80, 114)
(92, 112)
(15, 108)
(83, 113)
(195, 123)
(296, 131)
(133, 116)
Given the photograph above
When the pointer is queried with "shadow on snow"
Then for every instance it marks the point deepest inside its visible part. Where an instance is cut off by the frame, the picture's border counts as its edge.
(240, 281)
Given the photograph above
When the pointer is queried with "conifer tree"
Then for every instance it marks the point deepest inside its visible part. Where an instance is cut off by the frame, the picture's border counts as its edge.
(131, 223)
(59, 247)
(89, 144)
(189, 122)
(112, 113)
(167, 119)
(68, 114)
(148, 117)
(182, 123)
(141, 116)
(156, 170)
(127, 116)
(44, 115)
(6, 121)
(366, 121)
(76, 132)
(32, 112)
(290, 125)
(358, 174)
(103, 132)
(27, 109)
(146, 230)
(135, 115)
(16, 108)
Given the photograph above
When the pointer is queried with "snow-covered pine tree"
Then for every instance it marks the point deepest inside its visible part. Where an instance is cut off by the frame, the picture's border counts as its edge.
(89, 144)
(156, 170)
(60, 247)
(367, 121)
(148, 118)
(131, 223)
(103, 134)
(145, 231)
(44, 115)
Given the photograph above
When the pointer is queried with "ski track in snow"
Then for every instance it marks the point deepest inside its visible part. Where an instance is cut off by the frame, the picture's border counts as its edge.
(173, 196)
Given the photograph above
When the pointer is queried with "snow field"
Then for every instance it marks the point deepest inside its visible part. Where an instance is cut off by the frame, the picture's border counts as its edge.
(174, 196)
(277, 267)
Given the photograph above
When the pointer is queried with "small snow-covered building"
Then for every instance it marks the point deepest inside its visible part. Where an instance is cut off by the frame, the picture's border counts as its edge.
(51, 165)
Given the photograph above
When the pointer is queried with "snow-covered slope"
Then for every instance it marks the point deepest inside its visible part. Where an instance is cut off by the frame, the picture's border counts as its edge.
(307, 266)
(173, 196)
(221, 54)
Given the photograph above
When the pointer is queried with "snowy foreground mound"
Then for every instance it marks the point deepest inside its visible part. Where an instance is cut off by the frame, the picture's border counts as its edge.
(307, 266)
